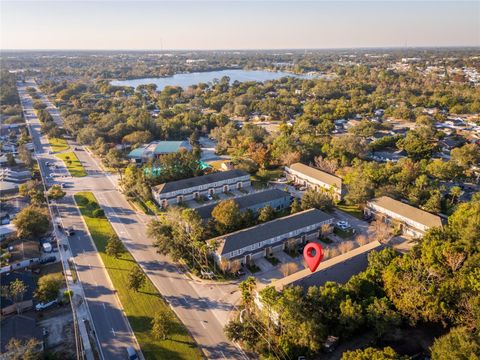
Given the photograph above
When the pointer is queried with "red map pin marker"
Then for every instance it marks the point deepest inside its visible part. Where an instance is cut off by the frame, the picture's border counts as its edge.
(313, 254)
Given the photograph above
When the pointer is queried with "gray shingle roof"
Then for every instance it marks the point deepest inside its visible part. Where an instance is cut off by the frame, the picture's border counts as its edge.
(408, 211)
(317, 174)
(247, 201)
(243, 238)
(198, 180)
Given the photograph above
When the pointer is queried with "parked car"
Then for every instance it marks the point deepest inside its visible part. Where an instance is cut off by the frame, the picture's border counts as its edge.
(241, 273)
(45, 306)
(47, 247)
(132, 354)
(207, 274)
(70, 231)
(342, 225)
(209, 197)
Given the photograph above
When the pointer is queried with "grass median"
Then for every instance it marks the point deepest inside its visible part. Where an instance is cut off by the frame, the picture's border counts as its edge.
(139, 306)
(74, 166)
(58, 144)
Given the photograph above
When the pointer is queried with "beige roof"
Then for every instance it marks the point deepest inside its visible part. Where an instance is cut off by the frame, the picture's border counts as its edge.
(408, 211)
(317, 174)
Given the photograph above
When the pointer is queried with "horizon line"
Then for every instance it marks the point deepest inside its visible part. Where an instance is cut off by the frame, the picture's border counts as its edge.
(259, 49)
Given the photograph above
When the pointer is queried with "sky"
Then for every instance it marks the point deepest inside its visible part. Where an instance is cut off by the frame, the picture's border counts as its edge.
(245, 24)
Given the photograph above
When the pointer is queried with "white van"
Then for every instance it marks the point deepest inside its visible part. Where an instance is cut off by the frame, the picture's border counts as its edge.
(47, 247)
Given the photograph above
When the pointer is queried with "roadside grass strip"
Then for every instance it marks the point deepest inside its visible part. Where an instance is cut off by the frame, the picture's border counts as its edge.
(58, 144)
(140, 307)
(74, 166)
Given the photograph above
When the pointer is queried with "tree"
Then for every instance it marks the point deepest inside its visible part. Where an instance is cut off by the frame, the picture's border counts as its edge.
(163, 324)
(26, 156)
(455, 193)
(266, 214)
(115, 160)
(162, 236)
(380, 231)
(31, 222)
(34, 190)
(373, 354)
(327, 165)
(382, 317)
(316, 199)
(14, 292)
(114, 247)
(247, 288)
(56, 192)
(288, 268)
(136, 278)
(351, 316)
(227, 214)
(24, 350)
(459, 344)
(434, 203)
(295, 207)
(48, 287)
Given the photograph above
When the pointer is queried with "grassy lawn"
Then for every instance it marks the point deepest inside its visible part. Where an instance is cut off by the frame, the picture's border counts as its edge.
(139, 307)
(265, 175)
(58, 144)
(74, 166)
(353, 210)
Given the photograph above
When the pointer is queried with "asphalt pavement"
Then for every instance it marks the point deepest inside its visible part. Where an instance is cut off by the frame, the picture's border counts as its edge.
(203, 308)
(109, 322)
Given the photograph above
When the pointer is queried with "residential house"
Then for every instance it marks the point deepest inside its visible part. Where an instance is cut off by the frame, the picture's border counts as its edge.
(276, 198)
(176, 192)
(26, 302)
(411, 220)
(4, 217)
(21, 327)
(316, 179)
(270, 237)
(156, 149)
(23, 254)
(18, 177)
(8, 188)
(6, 231)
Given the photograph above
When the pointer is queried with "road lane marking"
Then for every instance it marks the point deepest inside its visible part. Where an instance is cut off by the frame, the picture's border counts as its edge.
(203, 324)
(113, 332)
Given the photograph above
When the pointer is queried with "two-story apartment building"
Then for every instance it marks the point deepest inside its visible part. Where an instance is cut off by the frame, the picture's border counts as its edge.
(275, 198)
(316, 179)
(412, 221)
(176, 192)
(270, 237)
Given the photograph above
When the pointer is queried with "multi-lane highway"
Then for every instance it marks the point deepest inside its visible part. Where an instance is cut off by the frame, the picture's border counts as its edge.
(204, 308)
(110, 324)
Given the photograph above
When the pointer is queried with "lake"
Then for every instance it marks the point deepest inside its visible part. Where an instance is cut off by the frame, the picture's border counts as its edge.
(185, 80)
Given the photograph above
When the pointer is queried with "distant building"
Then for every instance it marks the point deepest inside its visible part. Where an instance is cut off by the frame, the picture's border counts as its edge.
(156, 149)
(316, 179)
(412, 221)
(176, 192)
(267, 238)
(23, 254)
(276, 198)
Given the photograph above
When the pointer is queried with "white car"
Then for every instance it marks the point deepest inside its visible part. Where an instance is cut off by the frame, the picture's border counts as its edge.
(44, 306)
(343, 225)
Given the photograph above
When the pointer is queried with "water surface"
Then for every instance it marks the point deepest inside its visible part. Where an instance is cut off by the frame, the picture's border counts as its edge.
(186, 80)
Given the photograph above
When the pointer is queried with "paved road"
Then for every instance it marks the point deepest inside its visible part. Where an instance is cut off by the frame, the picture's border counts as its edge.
(109, 322)
(203, 308)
